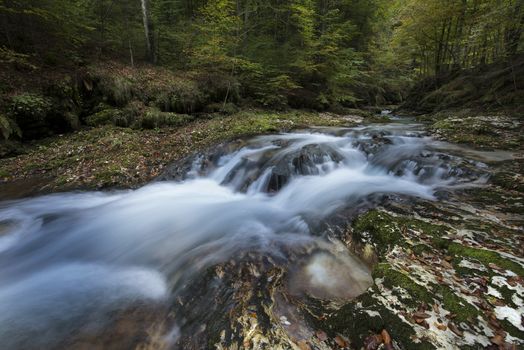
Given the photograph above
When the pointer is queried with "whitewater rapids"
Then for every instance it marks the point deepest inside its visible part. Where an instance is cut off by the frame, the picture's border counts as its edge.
(70, 260)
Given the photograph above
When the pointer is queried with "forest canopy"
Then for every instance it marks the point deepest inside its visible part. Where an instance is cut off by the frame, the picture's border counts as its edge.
(313, 54)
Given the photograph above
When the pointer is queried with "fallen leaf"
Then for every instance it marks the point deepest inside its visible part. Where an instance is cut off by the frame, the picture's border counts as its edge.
(422, 315)
(498, 340)
(385, 336)
(321, 335)
(341, 342)
(303, 345)
(373, 342)
(455, 330)
(441, 326)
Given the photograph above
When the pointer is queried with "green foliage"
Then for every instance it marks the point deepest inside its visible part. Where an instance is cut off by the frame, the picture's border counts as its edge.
(30, 108)
(439, 36)
(314, 54)
(274, 93)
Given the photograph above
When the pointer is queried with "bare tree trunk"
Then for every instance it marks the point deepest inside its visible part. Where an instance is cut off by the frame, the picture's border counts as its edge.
(438, 57)
(131, 53)
(150, 50)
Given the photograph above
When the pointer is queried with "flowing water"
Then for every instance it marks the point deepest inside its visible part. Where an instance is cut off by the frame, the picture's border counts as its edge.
(71, 261)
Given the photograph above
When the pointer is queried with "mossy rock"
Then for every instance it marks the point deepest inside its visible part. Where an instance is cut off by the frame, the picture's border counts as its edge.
(486, 257)
(392, 278)
(508, 201)
(366, 316)
(463, 311)
(496, 131)
(508, 181)
(386, 231)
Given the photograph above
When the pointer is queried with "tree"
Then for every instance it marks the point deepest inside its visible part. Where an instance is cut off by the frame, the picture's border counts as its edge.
(148, 31)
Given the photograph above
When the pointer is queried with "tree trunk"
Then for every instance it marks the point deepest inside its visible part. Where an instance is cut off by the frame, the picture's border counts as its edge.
(150, 48)
(440, 46)
(131, 57)
(514, 29)
(457, 46)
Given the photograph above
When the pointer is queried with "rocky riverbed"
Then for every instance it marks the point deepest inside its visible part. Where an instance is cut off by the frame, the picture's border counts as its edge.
(372, 237)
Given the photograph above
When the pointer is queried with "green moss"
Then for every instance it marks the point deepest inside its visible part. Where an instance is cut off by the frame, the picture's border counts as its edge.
(420, 248)
(462, 271)
(485, 257)
(507, 295)
(462, 309)
(440, 243)
(387, 231)
(356, 324)
(393, 278)
(511, 329)
(377, 119)
(116, 89)
(181, 96)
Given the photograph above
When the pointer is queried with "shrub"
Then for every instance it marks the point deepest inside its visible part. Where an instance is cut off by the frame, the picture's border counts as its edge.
(17, 60)
(30, 112)
(226, 109)
(30, 107)
(218, 86)
(39, 115)
(274, 92)
(116, 90)
(184, 96)
(67, 105)
(154, 118)
(104, 117)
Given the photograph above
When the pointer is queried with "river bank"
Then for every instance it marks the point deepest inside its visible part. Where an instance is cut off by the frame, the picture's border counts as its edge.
(114, 157)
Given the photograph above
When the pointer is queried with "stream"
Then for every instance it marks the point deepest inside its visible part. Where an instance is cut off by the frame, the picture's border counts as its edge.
(71, 264)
